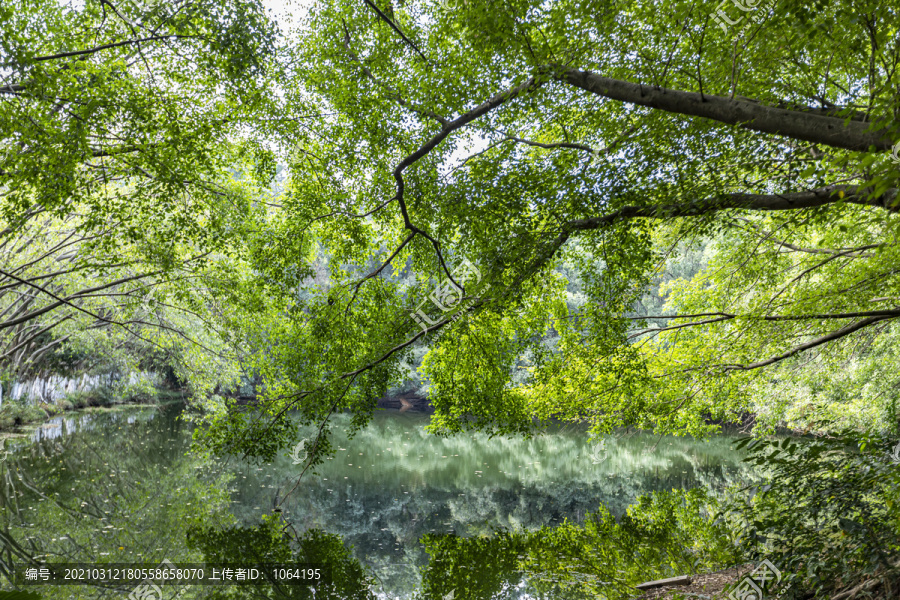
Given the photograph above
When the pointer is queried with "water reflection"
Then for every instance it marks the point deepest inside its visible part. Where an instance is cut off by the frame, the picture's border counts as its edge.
(122, 487)
(393, 484)
(69, 424)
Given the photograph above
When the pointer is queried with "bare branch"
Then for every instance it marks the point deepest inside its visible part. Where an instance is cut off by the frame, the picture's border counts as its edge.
(153, 38)
(66, 301)
(844, 331)
(385, 18)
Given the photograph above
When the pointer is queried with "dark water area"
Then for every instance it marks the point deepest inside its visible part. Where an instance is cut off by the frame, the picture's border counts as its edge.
(123, 487)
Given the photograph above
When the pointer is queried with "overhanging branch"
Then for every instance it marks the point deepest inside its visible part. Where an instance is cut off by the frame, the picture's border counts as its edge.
(757, 202)
(834, 335)
(805, 125)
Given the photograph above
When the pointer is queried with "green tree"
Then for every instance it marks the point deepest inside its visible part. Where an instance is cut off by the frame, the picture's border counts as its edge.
(122, 177)
(613, 138)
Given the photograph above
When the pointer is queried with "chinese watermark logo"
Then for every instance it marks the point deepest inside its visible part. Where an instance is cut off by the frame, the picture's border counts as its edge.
(764, 579)
(895, 153)
(299, 454)
(599, 452)
(148, 590)
(448, 296)
(895, 455)
(746, 6)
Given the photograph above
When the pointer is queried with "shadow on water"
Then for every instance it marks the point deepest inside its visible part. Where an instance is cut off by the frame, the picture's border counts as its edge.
(391, 508)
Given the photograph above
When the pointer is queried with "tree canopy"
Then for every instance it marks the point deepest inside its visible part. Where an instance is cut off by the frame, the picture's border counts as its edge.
(490, 192)
(562, 148)
(119, 126)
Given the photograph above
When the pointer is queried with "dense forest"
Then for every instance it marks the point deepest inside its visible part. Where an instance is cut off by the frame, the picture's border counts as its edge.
(665, 217)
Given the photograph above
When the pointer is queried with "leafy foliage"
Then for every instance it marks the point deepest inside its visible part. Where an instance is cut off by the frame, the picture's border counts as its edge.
(120, 183)
(662, 534)
(520, 137)
(267, 543)
(828, 512)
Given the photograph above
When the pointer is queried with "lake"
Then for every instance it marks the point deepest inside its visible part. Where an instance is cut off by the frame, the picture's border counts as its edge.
(122, 487)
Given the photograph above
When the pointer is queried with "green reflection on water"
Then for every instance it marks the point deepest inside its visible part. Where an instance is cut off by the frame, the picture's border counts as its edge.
(122, 487)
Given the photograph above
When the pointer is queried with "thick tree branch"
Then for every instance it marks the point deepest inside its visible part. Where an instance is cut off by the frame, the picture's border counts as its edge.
(546, 146)
(762, 202)
(887, 313)
(806, 125)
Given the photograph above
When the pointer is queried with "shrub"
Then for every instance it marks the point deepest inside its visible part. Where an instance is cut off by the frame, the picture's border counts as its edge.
(101, 396)
(141, 392)
(827, 514)
(13, 414)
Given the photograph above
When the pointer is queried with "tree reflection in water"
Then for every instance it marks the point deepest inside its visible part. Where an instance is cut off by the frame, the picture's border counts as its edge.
(424, 519)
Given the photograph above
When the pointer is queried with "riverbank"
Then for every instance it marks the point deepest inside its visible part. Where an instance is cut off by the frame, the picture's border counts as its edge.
(15, 416)
(706, 586)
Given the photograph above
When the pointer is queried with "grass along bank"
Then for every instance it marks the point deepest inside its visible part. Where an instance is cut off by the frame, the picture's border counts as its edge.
(16, 414)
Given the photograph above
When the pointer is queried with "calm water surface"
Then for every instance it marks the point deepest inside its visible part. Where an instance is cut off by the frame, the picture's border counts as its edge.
(122, 487)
